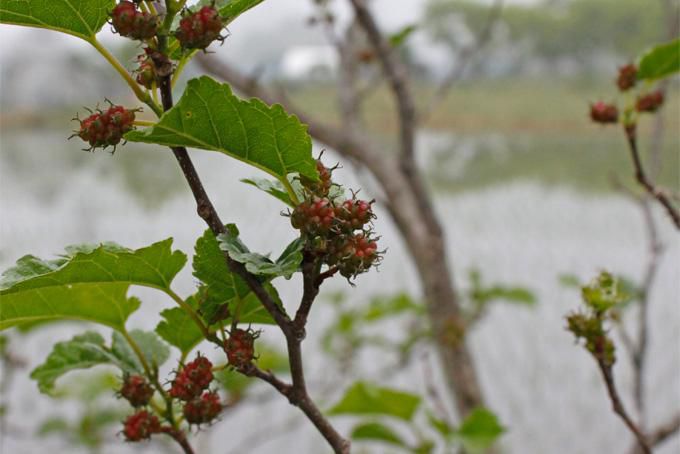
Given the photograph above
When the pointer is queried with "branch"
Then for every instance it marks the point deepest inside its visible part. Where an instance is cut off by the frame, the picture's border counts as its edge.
(665, 431)
(465, 56)
(617, 405)
(297, 393)
(180, 438)
(641, 177)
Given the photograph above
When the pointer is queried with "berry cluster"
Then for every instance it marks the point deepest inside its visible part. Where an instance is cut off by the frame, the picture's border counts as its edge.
(136, 390)
(192, 379)
(338, 231)
(240, 347)
(106, 128)
(198, 29)
(605, 113)
(128, 21)
(140, 426)
(203, 409)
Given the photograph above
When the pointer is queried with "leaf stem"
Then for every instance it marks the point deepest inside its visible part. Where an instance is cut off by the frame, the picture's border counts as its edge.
(136, 88)
(289, 189)
(145, 123)
(189, 310)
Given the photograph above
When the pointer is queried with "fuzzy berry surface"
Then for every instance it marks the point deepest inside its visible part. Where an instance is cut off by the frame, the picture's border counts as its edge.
(198, 30)
(356, 255)
(203, 409)
(140, 426)
(106, 128)
(313, 216)
(649, 102)
(627, 77)
(136, 390)
(192, 379)
(354, 214)
(145, 72)
(240, 347)
(322, 187)
(132, 23)
(601, 112)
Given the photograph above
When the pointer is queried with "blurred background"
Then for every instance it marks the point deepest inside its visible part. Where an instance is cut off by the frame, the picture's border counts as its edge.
(521, 177)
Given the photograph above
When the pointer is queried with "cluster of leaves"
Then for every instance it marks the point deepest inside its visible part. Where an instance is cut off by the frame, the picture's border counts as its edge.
(380, 408)
(600, 298)
(634, 80)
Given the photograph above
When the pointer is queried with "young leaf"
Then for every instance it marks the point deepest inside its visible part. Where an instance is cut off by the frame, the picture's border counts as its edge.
(373, 431)
(86, 286)
(81, 352)
(177, 327)
(152, 347)
(479, 430)
(286, 265)
(363, 398)
(660, 61)
(211, 117)
(223, 288)
(398, 38)
(81, 18)
(274, 188)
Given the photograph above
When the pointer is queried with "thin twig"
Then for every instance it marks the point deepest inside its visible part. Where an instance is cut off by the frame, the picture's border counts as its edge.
(641, 177)
(618, 407)
(297, 392)
(465, 56)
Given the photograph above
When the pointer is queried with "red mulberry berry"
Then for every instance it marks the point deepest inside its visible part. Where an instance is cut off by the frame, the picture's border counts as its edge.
(601, 112)
(313, 216)
(354, 214)
(203, 409)
(357, 255)
(136, 390)
(146, 72)
(197, 30)
(104, 129)
(322, 187)
(240, 347)
(649, 102)
(627, 77)
(134, 24)
(192, 379)
(140, 426)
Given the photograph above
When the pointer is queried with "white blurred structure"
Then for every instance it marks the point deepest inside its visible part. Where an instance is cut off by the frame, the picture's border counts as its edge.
(309, 62)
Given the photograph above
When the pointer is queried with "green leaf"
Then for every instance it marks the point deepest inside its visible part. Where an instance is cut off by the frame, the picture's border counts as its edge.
(82, 352)
(179, 329)
(211, 117)
(439, 425)
(363, 398)
(373, 431)
(222, 287)
(398, 38)
(272, 187)
(603, 293)
(660, 61)
(482, 294)
(81, 18)
(286, 265)
(479, 430)
(90, 285)
(155, 351)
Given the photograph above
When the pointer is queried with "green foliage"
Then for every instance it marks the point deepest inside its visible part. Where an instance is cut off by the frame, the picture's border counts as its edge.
(81, 18)
(479, 430)
(210, 117)
(660, 61)
(575, 28)
(374, 431)
(178, 329)
(603, 293)
(224, 290)
(274, 188)
(481, 295)
(153, 349)
(86, 284)
(398, 38)
(260, 265)
(366, 399)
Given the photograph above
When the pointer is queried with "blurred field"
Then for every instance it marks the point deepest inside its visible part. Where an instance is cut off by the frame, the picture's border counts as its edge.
(513, 129)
